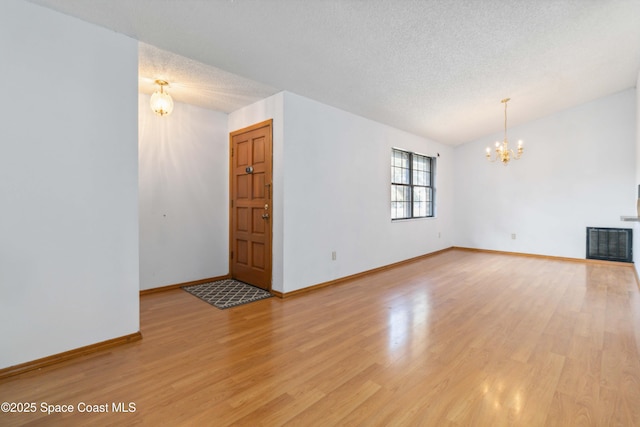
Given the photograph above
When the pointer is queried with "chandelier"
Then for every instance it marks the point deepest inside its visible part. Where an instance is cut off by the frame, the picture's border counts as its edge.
(503, 152)
(161, 102)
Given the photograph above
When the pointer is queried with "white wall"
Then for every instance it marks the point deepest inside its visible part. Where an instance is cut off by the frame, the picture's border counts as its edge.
(269, 108)
(68, 184)
(337, 195)
(184, 193)
(636, 225)
(578, 170)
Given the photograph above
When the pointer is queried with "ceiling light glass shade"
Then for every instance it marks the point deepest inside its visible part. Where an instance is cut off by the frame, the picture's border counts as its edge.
(161, 102)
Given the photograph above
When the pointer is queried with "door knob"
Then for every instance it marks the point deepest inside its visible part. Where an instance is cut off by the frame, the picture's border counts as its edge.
(265, 216)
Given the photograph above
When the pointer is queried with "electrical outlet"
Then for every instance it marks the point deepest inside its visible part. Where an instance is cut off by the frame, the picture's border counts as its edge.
(439, 234)
(333, 255)
(513, 236)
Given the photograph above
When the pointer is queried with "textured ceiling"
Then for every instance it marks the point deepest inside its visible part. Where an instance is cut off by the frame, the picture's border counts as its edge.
(195, 83)
(436, 68)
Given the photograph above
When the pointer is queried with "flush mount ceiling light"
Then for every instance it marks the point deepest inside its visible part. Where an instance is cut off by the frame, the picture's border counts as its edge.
(161, 102)
(503, 153)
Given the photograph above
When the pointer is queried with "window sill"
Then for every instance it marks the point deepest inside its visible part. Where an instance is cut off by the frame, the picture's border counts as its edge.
(412, 219)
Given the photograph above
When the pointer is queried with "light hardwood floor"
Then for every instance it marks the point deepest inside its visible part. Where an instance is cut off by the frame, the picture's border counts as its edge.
(460, 338)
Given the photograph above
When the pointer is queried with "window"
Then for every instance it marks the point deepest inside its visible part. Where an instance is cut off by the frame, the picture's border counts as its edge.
(411, 185)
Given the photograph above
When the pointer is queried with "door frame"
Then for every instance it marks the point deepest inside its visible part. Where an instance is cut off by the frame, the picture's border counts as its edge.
(269, 264)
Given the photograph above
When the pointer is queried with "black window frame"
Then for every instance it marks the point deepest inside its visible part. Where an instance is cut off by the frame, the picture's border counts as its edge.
(409, 187)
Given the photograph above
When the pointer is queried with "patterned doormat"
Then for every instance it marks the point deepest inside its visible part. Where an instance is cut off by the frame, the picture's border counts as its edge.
(227, 293)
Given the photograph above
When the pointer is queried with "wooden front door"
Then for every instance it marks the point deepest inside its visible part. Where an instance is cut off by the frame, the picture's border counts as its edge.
(251, 169)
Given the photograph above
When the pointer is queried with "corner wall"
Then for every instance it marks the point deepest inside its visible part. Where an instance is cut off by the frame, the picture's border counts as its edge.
(332, 192)
(578, 170)
(184, 193)
(68, 184)
(269, 108)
